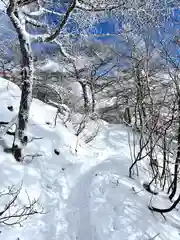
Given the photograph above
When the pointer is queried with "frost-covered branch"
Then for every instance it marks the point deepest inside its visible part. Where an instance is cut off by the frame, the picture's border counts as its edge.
(34, 22)
(42, 11)
(8, 126)
(63, 22)
(89, 7)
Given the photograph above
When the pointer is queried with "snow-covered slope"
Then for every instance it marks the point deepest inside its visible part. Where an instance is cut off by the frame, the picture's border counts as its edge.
(86, 193)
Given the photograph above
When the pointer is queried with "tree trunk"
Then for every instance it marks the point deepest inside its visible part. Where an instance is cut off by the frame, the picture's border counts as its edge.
(27, 80)
(177, 162)
(85, 96)
(93, 96)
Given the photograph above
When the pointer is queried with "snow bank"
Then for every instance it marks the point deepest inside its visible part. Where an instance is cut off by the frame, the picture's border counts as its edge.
(87, 194)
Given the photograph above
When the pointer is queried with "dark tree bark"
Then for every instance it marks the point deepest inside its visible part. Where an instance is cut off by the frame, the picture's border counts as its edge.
(85, 96)
(177, 162)
(27, 79)
(93, 97)
(165, 210)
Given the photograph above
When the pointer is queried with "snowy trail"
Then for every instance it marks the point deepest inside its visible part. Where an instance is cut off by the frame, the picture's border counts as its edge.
(87, 195)
(103, 205)
(79, 204)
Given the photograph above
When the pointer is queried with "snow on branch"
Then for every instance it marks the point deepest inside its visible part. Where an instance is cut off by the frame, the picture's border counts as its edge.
(22, 3)
(3, 3)
(49, 37)
(89, 7)
(63, 51)
(44, 10)
(34, 22)
(63, 22)
(8, 126)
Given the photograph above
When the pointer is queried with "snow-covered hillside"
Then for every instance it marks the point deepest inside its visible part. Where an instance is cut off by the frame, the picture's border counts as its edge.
(86, 194)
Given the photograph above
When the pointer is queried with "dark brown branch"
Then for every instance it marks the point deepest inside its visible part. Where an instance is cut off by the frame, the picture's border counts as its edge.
(3, 123)
(63, 22)
(10, 217)
(10, 203)
(166, 209)
(10, 133)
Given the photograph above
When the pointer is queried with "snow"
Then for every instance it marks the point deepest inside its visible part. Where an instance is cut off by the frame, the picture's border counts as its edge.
(51, 65)
(87, 195)
(1, 5)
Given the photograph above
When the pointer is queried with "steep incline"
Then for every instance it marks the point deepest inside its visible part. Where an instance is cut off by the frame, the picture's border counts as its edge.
(87, 195)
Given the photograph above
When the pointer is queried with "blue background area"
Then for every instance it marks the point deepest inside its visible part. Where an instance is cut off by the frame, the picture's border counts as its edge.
(113, 26)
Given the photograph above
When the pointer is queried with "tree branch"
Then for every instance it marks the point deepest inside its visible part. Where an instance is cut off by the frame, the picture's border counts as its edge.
(94, 9)
(63, 22)
(166, 209)
(12, 213)
(44, 10)
(34, 22)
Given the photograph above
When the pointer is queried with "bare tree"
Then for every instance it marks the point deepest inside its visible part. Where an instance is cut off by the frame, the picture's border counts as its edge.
(13, 213)
(20, 17)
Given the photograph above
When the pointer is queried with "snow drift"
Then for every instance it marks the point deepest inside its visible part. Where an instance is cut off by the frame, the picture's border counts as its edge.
(86, 194)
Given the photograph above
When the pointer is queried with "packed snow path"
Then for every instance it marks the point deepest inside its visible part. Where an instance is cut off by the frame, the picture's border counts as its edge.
(87, 194)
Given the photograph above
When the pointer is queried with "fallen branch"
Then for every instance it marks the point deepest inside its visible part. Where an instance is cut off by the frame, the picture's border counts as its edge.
(13, 214)
(3, 123)
(32, 156)
(152, 238)
(35, 138)
(166, 209)
(9, 125)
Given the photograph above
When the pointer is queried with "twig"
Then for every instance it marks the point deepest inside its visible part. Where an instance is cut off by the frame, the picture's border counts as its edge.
(152, 238)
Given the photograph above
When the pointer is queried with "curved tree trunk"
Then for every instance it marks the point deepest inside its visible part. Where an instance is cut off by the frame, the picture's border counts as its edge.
(165, 210)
